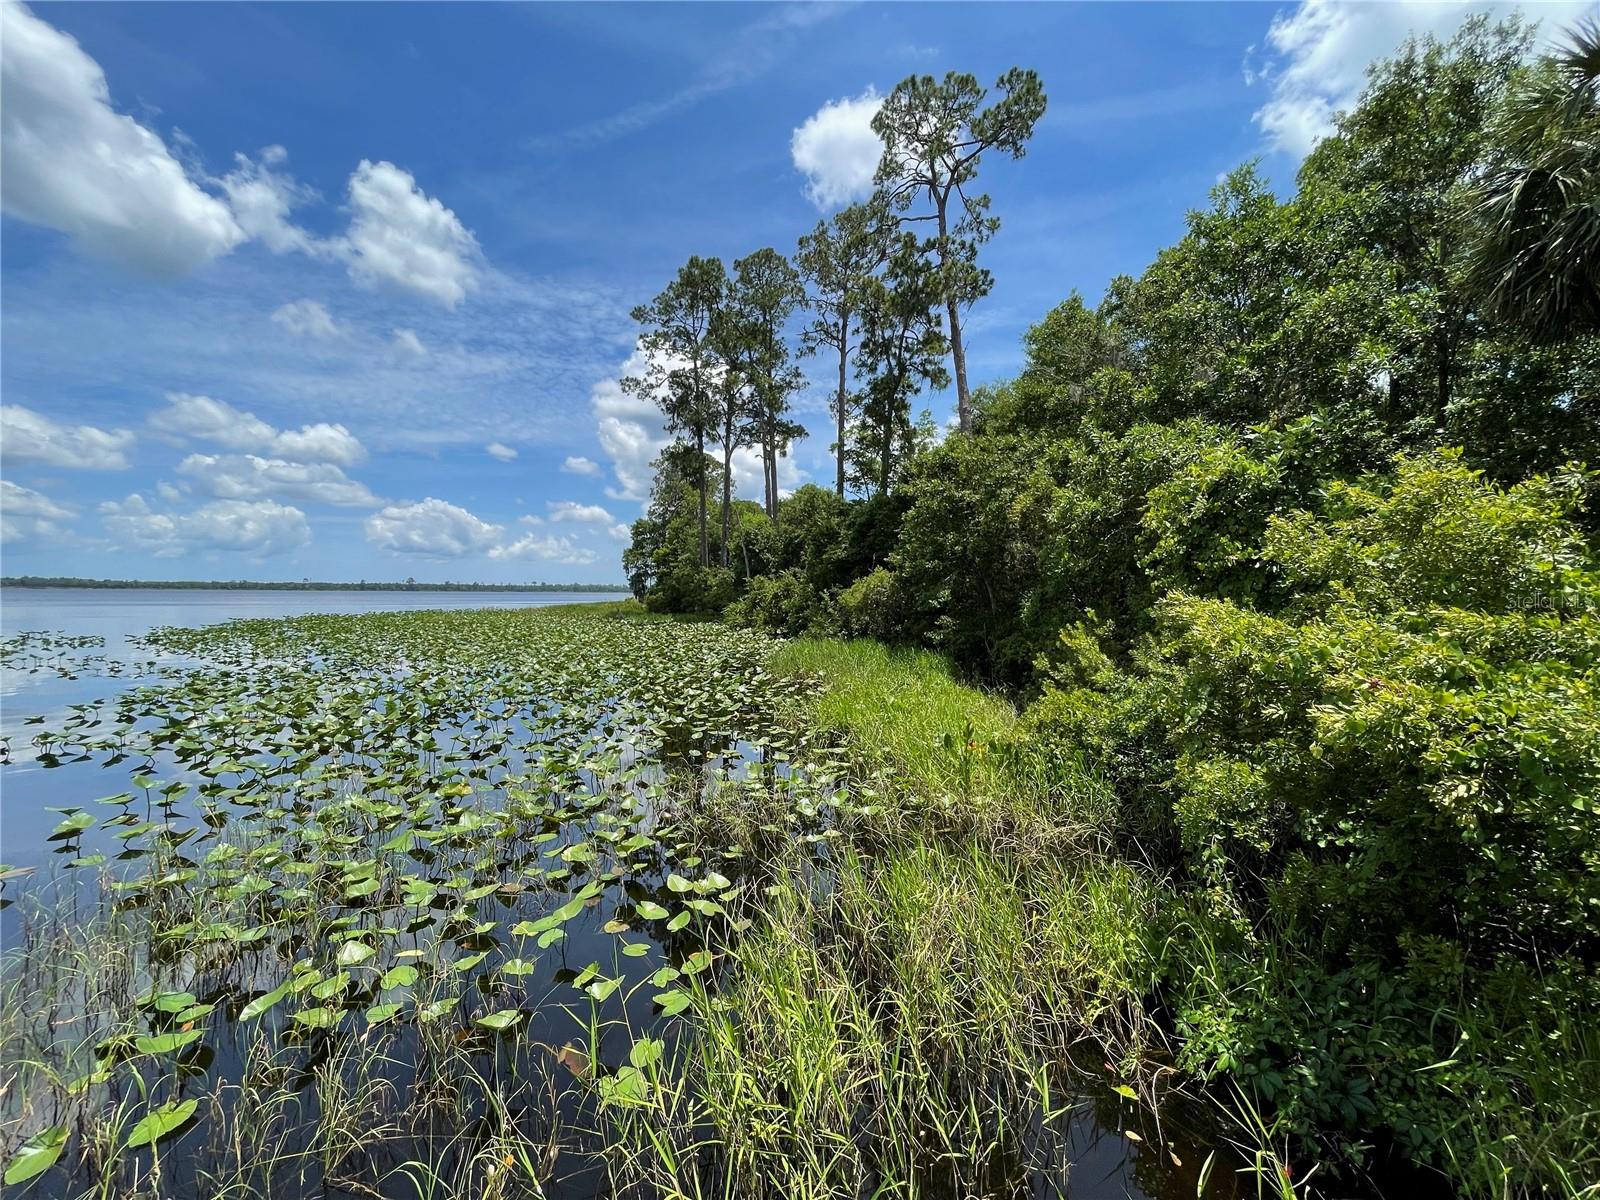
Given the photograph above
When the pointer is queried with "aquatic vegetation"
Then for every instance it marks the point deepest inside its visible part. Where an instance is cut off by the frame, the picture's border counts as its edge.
(505, 903)
(392, 838)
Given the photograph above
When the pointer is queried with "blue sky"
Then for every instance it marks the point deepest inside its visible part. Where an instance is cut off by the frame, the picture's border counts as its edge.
(342, 290)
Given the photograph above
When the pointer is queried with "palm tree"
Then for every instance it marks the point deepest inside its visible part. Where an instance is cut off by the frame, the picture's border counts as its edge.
(1536, 254)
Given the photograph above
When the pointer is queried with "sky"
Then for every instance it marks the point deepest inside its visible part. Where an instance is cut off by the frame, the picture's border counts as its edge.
(342, 291)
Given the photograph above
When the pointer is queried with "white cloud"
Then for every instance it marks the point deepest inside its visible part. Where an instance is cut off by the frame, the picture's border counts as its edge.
(257, 528)
(837, 151)
(747, 477)
(308, 318)
(204, 419)
(71, 162)
(25, 513)
(501, 451)
(585, 514)
(322, 442)
(250, 477)
(576, 464)
(262, 199)
(620, 532)
(408, 341)
(27, 435)
(629, 428)
(1319, 55)
(400, 236)
(431, 527)
(555, 549)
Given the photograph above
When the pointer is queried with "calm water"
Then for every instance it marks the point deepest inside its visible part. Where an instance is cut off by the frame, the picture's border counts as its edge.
(118, 614)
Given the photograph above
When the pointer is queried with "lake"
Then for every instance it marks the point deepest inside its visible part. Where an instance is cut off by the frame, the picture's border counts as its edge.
(396, 884)
(118, 614)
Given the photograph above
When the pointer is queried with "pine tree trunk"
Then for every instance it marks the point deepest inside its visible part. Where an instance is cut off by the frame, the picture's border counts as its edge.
(727, 487)
(958, 353)
(844, 353)
(700, 470)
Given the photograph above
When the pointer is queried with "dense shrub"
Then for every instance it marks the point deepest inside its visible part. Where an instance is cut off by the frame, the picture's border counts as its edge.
(1385, 795)
(784, 603)
(873, 607)
(1408, 746)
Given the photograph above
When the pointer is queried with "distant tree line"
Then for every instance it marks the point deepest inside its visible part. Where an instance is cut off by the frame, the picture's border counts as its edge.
(304, 585)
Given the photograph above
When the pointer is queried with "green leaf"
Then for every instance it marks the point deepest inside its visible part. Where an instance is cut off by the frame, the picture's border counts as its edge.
(432, 1012)
(651, 911)
(354, 952)
(673, 1002)
(165, 1043)
(646, 1052)
(160, 1122)
(500, 1021)
(73, 825)
(37, 1155)
(262, 1003)
(398, 977)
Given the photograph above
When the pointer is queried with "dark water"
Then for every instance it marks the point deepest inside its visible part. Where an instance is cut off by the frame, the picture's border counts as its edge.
(1097, 1154)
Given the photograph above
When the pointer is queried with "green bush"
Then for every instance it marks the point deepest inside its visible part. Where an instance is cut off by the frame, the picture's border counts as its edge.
(785, 603)
(1385, 798)
(873, 607)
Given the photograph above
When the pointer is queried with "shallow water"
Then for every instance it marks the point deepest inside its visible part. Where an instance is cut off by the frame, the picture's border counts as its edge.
(1090, 1153)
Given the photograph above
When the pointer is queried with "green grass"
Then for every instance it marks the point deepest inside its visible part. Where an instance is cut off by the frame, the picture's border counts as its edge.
(901, 712)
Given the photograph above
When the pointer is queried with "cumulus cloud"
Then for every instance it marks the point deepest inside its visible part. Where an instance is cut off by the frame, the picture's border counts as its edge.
(308, 318)
(577, 464)
(201, 418)
(250, 477)
(257, 528)
(549, 547)
(585, 514)
(500, 450)
(262, 198)
(1318, 55)
(836, 150)
(26, 514)
(432, 528)
(632, 433)
(747, 476)
(435, 528)
(70, 162)
(629, 428)
(33, 437)
(402, 237)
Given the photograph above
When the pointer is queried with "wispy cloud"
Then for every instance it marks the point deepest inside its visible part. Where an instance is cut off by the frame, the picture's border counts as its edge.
(753, 50)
